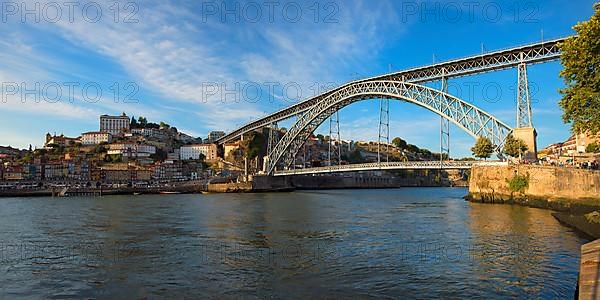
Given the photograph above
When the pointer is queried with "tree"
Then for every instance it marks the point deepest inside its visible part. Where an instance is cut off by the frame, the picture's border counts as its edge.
(164, 125)
(133, 123)
(581, 61)
(514, 147)
(412, 148)
(253, 145)
(355, 157)
(483, 148)
(592, 148)
(143, 122)
(400, 143)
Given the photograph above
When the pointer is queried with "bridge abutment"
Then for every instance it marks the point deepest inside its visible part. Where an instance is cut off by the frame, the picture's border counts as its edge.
(529, 136)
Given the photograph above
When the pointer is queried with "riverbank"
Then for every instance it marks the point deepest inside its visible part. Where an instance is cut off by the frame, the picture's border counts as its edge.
(562, 189)
(181, 188)
(350, 180)
(573, 193)
(580, 223)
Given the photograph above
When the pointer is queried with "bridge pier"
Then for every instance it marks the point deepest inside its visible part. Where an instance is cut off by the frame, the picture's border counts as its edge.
(529, 136)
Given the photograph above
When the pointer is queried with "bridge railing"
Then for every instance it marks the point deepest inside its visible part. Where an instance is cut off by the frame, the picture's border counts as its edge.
(388, 166)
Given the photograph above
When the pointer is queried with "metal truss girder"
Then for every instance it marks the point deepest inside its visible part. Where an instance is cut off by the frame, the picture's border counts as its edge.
(477, 123)
(488, 62)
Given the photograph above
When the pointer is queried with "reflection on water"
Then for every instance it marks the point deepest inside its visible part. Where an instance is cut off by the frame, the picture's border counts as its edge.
(425, 243)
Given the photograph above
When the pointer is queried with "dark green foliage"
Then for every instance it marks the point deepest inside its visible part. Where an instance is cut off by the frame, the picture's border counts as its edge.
(581, 60)
(518, 183)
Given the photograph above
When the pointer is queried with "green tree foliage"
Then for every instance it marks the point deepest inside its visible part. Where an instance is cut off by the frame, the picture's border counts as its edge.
(113, 158)
(355, 157)
(412, 148)
(592, 148)
(143, 122)
(252, 145)
(581, 60)
(483, 148)
(514, 147)
(400, 143)
(518, 183)
(40, 152)
(100, 149)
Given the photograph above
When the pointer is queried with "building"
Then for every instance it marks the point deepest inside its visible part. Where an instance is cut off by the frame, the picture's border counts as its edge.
(132, 150)
(155, 133)
(56, 171)
(95, 138)
(575, 144)
(175, 155)
(192, 152)
(12, 173)
(213, 136)
(33, 171)
(114, 125)
(229, 147)
(168, 170)
(60, 140)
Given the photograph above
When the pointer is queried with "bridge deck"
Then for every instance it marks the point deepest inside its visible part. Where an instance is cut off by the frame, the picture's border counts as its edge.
(481, 63)
(411, 165)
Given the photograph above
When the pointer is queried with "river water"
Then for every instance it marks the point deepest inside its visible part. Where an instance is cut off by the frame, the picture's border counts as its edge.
(409, 242)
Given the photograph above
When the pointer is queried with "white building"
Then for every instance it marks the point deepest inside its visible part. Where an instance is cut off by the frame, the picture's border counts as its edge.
(95, 138)
(150, 132)
(114, 124)
(132, 150)
(189, 152)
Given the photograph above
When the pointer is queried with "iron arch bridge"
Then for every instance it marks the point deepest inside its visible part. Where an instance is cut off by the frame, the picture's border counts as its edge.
(469, 118)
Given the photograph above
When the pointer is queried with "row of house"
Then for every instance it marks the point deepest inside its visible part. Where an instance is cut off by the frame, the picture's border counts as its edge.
(576, 144)
(85, 171)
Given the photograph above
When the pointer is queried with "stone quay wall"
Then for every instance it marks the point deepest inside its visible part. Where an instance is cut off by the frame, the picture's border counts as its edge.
(564, 189)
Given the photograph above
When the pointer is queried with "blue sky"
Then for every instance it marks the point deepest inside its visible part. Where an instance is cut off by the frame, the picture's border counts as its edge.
(186, 62)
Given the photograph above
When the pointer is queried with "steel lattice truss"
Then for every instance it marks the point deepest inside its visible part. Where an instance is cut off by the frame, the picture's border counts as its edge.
(471, 119)
(486, 62)
(523, 103)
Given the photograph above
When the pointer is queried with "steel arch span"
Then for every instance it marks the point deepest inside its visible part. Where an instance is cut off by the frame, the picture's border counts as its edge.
(469, 118)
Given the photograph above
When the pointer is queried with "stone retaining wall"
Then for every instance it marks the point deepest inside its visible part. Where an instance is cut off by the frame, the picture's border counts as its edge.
(564, 189)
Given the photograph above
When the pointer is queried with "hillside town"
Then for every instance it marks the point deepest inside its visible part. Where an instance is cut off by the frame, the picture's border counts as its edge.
(124, 150)
(133, 152)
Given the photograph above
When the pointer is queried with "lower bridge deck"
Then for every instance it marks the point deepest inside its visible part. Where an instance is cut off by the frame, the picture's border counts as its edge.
(409, 165)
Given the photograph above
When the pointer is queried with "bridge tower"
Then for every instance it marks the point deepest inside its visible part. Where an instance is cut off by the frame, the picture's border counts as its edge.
(384, 128)
(273, 137)
(444, 126)
(335, 151)
(524, 129)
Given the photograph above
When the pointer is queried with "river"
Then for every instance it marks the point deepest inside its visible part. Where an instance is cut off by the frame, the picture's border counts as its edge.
(389, 243)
